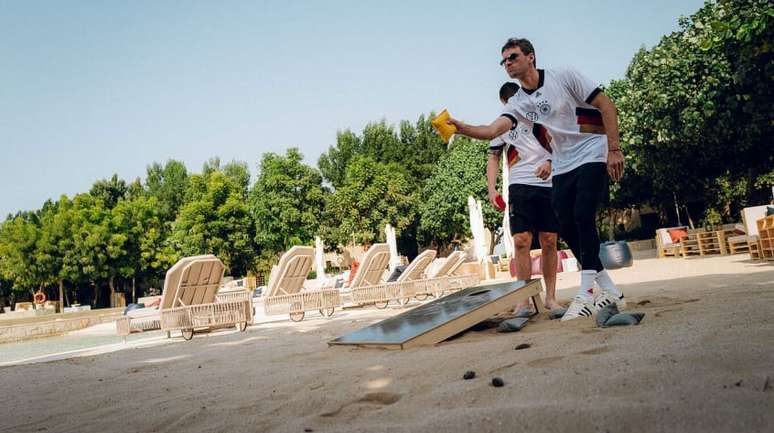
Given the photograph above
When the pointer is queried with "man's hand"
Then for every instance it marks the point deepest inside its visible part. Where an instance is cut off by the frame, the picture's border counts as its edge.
(497, 200)
(456, 123)
(615, 164)
(544, 170)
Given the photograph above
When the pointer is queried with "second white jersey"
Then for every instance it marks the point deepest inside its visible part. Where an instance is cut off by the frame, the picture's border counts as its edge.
(532, 155)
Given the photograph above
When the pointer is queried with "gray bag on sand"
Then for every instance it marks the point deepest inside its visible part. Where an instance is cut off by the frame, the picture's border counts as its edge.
(512, 325)
(605, 314)
(556, 313)
(624, 319)
(609, 316)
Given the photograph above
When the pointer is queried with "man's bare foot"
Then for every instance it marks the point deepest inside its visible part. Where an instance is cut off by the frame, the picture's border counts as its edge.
(523, 307)
(551, 304)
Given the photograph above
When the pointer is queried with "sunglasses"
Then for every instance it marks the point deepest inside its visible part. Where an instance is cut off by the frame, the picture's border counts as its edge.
(511, 58)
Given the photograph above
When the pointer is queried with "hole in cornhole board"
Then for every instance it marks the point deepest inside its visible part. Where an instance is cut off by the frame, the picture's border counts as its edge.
(438, 320)
(480, 292)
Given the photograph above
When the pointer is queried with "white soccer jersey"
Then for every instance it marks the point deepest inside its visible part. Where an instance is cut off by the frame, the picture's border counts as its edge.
(532, 155)
(561, 103)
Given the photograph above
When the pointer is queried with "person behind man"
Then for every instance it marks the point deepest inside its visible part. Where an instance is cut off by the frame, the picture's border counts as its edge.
(529, 198)
(583, 126)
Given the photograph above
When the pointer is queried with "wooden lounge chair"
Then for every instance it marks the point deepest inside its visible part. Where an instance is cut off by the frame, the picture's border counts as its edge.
(748, 242)
(664, 244)
(190, 300)
(400, 290)
(285, 293)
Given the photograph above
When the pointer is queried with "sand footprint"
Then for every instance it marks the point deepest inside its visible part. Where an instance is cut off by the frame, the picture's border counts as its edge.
(543, 362)
(375, 398)
(594, 351)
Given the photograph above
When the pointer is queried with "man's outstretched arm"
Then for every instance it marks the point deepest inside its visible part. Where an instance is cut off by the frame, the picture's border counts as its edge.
(484, 132)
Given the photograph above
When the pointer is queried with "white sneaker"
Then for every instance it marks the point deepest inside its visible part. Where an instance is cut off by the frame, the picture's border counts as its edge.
(579, 307)
(605, 299)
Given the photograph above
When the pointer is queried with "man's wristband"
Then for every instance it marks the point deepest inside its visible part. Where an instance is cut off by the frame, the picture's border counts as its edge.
(617, 149)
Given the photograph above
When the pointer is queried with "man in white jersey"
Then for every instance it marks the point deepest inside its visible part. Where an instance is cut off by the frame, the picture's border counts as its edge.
(583, 125)
(529, 198)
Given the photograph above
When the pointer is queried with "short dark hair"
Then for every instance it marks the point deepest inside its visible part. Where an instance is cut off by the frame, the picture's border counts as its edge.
(507, 90)
(524, 45)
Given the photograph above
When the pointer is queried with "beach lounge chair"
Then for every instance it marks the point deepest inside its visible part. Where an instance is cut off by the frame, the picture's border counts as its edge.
(190, 300)
(372, 267)
(400, 290)
(447, 279)
(412, 282)
(285, 293)
(450, 265)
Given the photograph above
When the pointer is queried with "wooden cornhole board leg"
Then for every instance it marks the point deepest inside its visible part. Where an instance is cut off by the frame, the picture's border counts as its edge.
(438, 320)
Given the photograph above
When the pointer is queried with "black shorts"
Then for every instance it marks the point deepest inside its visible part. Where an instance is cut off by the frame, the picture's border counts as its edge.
(530, 209)
(590, 182)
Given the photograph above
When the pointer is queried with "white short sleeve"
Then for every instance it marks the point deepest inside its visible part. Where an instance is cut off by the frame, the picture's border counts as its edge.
(510, 112)
(497, 143)
(580, 87)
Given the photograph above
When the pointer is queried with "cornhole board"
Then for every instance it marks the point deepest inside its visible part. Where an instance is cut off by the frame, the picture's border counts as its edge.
(438, 320)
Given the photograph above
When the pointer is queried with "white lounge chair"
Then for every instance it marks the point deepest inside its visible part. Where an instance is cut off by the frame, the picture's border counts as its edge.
(190, 301)
(447, 280)
(400, 290)
(450, 265)
(285, 294)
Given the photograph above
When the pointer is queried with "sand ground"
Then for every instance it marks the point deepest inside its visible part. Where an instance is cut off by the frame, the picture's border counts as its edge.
(702, 360)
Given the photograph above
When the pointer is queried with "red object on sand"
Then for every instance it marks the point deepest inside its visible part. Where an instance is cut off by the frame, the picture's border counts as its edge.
(500, 202)
(353, 271)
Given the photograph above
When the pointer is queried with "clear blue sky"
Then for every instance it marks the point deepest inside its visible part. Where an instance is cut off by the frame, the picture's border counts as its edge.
(92, 88)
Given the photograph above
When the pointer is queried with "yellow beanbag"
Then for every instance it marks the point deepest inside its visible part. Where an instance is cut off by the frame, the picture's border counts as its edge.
(444, 129)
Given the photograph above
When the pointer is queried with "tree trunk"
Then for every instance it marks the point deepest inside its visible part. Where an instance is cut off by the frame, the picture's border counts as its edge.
(112, 291)
(95, 299)
(134, 292)
(61, 296)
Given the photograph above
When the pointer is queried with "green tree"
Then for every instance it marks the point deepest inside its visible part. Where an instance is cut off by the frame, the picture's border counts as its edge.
(168, 183)
(109, 191)
(98, 246)
(18, 259)
(215, 220)
(286, 204)
(147, 254)
(333, 163)
(443, 212)
(412, 151)
(372, 195)
(695, 110)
